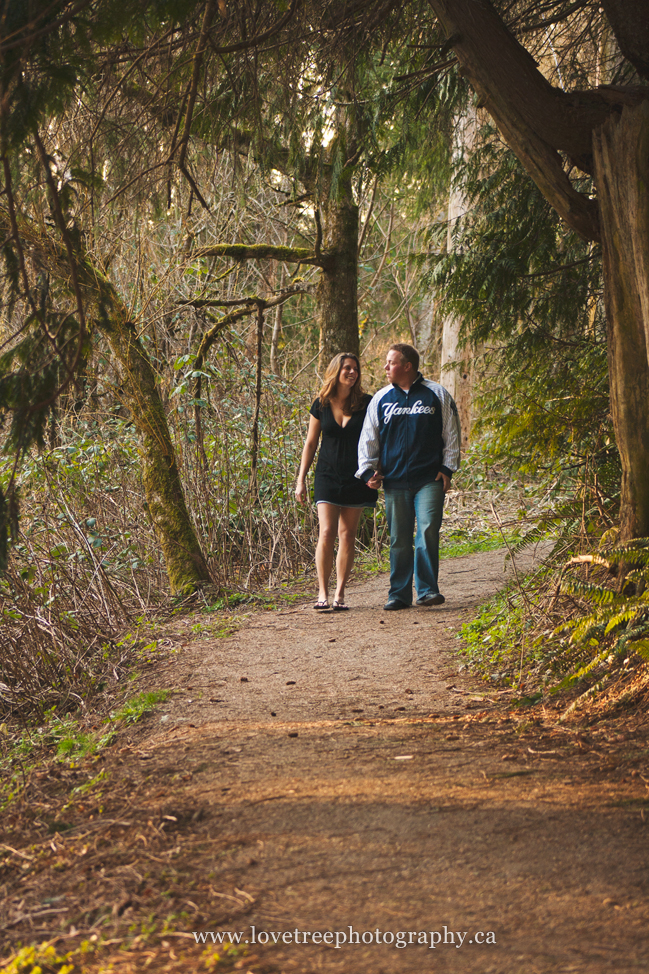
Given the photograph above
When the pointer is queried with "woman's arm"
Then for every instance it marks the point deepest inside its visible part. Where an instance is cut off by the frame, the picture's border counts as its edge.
(308, 453)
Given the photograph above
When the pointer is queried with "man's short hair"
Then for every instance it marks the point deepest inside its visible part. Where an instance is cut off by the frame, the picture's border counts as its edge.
(407, 353)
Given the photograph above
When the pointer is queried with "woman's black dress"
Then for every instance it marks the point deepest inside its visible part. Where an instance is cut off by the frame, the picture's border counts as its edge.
(337, 463)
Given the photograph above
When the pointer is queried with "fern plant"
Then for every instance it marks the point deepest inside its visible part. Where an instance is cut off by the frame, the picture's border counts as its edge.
(617, 623)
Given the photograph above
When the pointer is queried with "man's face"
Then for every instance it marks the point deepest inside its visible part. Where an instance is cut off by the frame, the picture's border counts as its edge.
(397, 370)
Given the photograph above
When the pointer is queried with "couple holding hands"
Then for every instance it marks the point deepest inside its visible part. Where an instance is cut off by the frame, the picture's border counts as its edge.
(406, 438)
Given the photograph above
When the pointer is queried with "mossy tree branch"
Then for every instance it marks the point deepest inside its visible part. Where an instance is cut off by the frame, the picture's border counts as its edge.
(248, 306)
(290, 255)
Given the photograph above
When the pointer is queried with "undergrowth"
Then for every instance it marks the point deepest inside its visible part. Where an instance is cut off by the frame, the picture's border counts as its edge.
(574, 633)
(455, 545)
(45, 958)
(86, 587)
(68, 740)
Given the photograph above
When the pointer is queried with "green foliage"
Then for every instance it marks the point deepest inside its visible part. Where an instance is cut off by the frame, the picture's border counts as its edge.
(515, 637)
(66, 741)
(454, 545)
(618, 624)
(31, 374)
(139, 706)
(529, 294)
(40, 959)
(491, 640)
(62, 599)
(70, 741)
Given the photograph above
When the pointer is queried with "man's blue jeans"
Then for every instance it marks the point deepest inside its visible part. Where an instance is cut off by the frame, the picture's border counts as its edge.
(401, 508)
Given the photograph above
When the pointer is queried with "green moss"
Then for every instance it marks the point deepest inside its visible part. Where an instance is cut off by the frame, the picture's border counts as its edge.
(300, 255)
(184, 559)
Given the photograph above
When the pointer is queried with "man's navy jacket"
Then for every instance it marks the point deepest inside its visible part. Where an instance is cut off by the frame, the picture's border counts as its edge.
(410, 436)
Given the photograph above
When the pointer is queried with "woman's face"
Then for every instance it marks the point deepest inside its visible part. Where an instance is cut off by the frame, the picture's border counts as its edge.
(348, 374)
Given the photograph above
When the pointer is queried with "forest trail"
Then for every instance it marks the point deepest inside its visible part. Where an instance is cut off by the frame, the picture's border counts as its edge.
(314, 772)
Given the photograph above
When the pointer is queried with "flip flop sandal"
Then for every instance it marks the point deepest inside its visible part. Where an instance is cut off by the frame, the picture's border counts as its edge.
(339, 606)
(321, 606)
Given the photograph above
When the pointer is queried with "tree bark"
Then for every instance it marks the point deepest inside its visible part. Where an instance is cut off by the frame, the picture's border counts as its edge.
(630, 22)
(254, 452)
(508, 78)
(186, 566)
(535, 120)
(425, 330)
(295, 255)
(459, 380)
(622, 174)
(277, 327)
(337, 292)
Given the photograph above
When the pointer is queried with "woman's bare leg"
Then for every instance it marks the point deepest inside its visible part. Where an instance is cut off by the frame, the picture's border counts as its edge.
(347, 528)
(324, 553)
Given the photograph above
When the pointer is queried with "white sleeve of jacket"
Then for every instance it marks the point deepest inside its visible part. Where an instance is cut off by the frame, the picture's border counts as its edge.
(369, 447)
(450, 426)
(451, 433)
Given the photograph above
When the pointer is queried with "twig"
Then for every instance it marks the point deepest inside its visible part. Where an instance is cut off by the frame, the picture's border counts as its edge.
(361, 239)
(255, 425)
(511, 554)
(191, 101)
(39, 913)
(16, 852)
(310, 362)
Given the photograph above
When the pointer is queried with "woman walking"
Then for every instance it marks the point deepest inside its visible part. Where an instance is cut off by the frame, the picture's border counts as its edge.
(338, 413)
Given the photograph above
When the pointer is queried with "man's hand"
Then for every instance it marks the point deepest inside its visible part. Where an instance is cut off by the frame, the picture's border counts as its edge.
(447, 481)
(300, 492)
(375, 480)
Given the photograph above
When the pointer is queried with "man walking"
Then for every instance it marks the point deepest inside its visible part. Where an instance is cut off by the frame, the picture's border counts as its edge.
(411, 443)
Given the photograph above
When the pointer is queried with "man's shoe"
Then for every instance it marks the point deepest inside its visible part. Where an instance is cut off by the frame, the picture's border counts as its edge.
(431, 600)
(393, 604)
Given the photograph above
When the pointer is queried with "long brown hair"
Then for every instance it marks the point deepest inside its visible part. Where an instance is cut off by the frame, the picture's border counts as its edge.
(355, 399)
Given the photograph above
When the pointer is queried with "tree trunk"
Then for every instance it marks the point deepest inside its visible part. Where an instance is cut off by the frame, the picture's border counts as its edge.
(622, 174)
(630, 24)
(459, 379)
(254, 452)
(277, 326)
(536, 121)
(163, 490)
(337, 293)
(425, 331)
(184, 559)
(186, 566)
(534, 118)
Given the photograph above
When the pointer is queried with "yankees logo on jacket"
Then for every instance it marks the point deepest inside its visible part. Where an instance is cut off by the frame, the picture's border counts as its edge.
(410, 436)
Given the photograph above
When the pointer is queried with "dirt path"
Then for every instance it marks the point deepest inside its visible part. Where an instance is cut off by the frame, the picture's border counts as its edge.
(316, 772)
